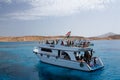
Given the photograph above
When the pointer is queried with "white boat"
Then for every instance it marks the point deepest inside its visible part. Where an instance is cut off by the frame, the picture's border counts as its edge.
(68, 54)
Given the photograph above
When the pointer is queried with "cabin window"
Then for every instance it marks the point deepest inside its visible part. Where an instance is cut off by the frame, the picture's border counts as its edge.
(65, 55)
(46, 50)
(58, 53)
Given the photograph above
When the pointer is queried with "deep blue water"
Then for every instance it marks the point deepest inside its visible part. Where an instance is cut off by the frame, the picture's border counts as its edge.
(17, 62)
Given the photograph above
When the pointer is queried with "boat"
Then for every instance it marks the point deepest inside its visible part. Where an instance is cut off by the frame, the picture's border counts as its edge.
(73, 54)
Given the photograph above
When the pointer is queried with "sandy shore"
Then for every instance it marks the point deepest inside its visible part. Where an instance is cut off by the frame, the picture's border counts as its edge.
(38, 38)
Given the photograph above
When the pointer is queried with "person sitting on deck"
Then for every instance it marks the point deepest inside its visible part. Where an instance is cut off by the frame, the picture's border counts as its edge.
(53, 42)
(87, 57)
(47, 42)
(62, 43)
(76, 55)
(81, 57)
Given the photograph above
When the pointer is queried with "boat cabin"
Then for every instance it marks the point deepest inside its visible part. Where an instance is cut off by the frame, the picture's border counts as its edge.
(76, 54)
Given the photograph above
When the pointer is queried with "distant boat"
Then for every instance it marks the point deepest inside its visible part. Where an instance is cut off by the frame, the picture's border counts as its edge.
(69, 54)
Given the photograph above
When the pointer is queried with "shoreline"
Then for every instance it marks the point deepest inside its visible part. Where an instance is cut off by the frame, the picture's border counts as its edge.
(39, 38)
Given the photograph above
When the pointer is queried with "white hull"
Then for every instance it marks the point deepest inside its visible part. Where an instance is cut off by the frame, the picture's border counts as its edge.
(68, 63)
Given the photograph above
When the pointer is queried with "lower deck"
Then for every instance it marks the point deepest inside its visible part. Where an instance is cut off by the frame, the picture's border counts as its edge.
(77, 65)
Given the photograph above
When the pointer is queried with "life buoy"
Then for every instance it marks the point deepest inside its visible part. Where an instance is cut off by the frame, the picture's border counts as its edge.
(56, 57)
(41, 54)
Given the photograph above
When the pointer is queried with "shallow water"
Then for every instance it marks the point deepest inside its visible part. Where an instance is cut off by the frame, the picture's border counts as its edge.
(17, 62)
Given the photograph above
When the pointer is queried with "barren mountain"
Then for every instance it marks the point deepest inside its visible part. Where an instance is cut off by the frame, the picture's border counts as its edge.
(107, 35)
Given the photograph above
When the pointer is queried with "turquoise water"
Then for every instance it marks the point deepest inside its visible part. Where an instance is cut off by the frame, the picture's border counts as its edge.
(17, 62)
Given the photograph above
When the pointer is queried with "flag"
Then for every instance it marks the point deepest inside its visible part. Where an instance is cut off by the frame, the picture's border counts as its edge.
(68, 34)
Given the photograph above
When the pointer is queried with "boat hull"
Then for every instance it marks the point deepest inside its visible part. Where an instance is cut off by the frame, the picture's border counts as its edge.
(83, 66)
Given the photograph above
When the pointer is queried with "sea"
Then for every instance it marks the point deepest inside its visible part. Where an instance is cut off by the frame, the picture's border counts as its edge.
(18, 62)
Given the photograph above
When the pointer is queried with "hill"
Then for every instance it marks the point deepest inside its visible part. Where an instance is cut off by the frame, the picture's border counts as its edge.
(115, 37)
(107, 35)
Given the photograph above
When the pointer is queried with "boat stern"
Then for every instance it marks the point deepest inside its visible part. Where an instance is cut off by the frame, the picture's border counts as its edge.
(95, 64)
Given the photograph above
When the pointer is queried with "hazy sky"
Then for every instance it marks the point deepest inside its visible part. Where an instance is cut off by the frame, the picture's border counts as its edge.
(57, 17)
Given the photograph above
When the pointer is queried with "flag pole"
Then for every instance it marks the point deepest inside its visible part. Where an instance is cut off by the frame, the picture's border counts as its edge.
(68, 35)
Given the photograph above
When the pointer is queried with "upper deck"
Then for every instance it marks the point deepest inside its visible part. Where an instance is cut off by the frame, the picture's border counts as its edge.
(66, 45)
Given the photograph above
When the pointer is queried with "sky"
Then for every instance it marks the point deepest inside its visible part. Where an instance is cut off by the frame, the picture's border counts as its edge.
(56, 17)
